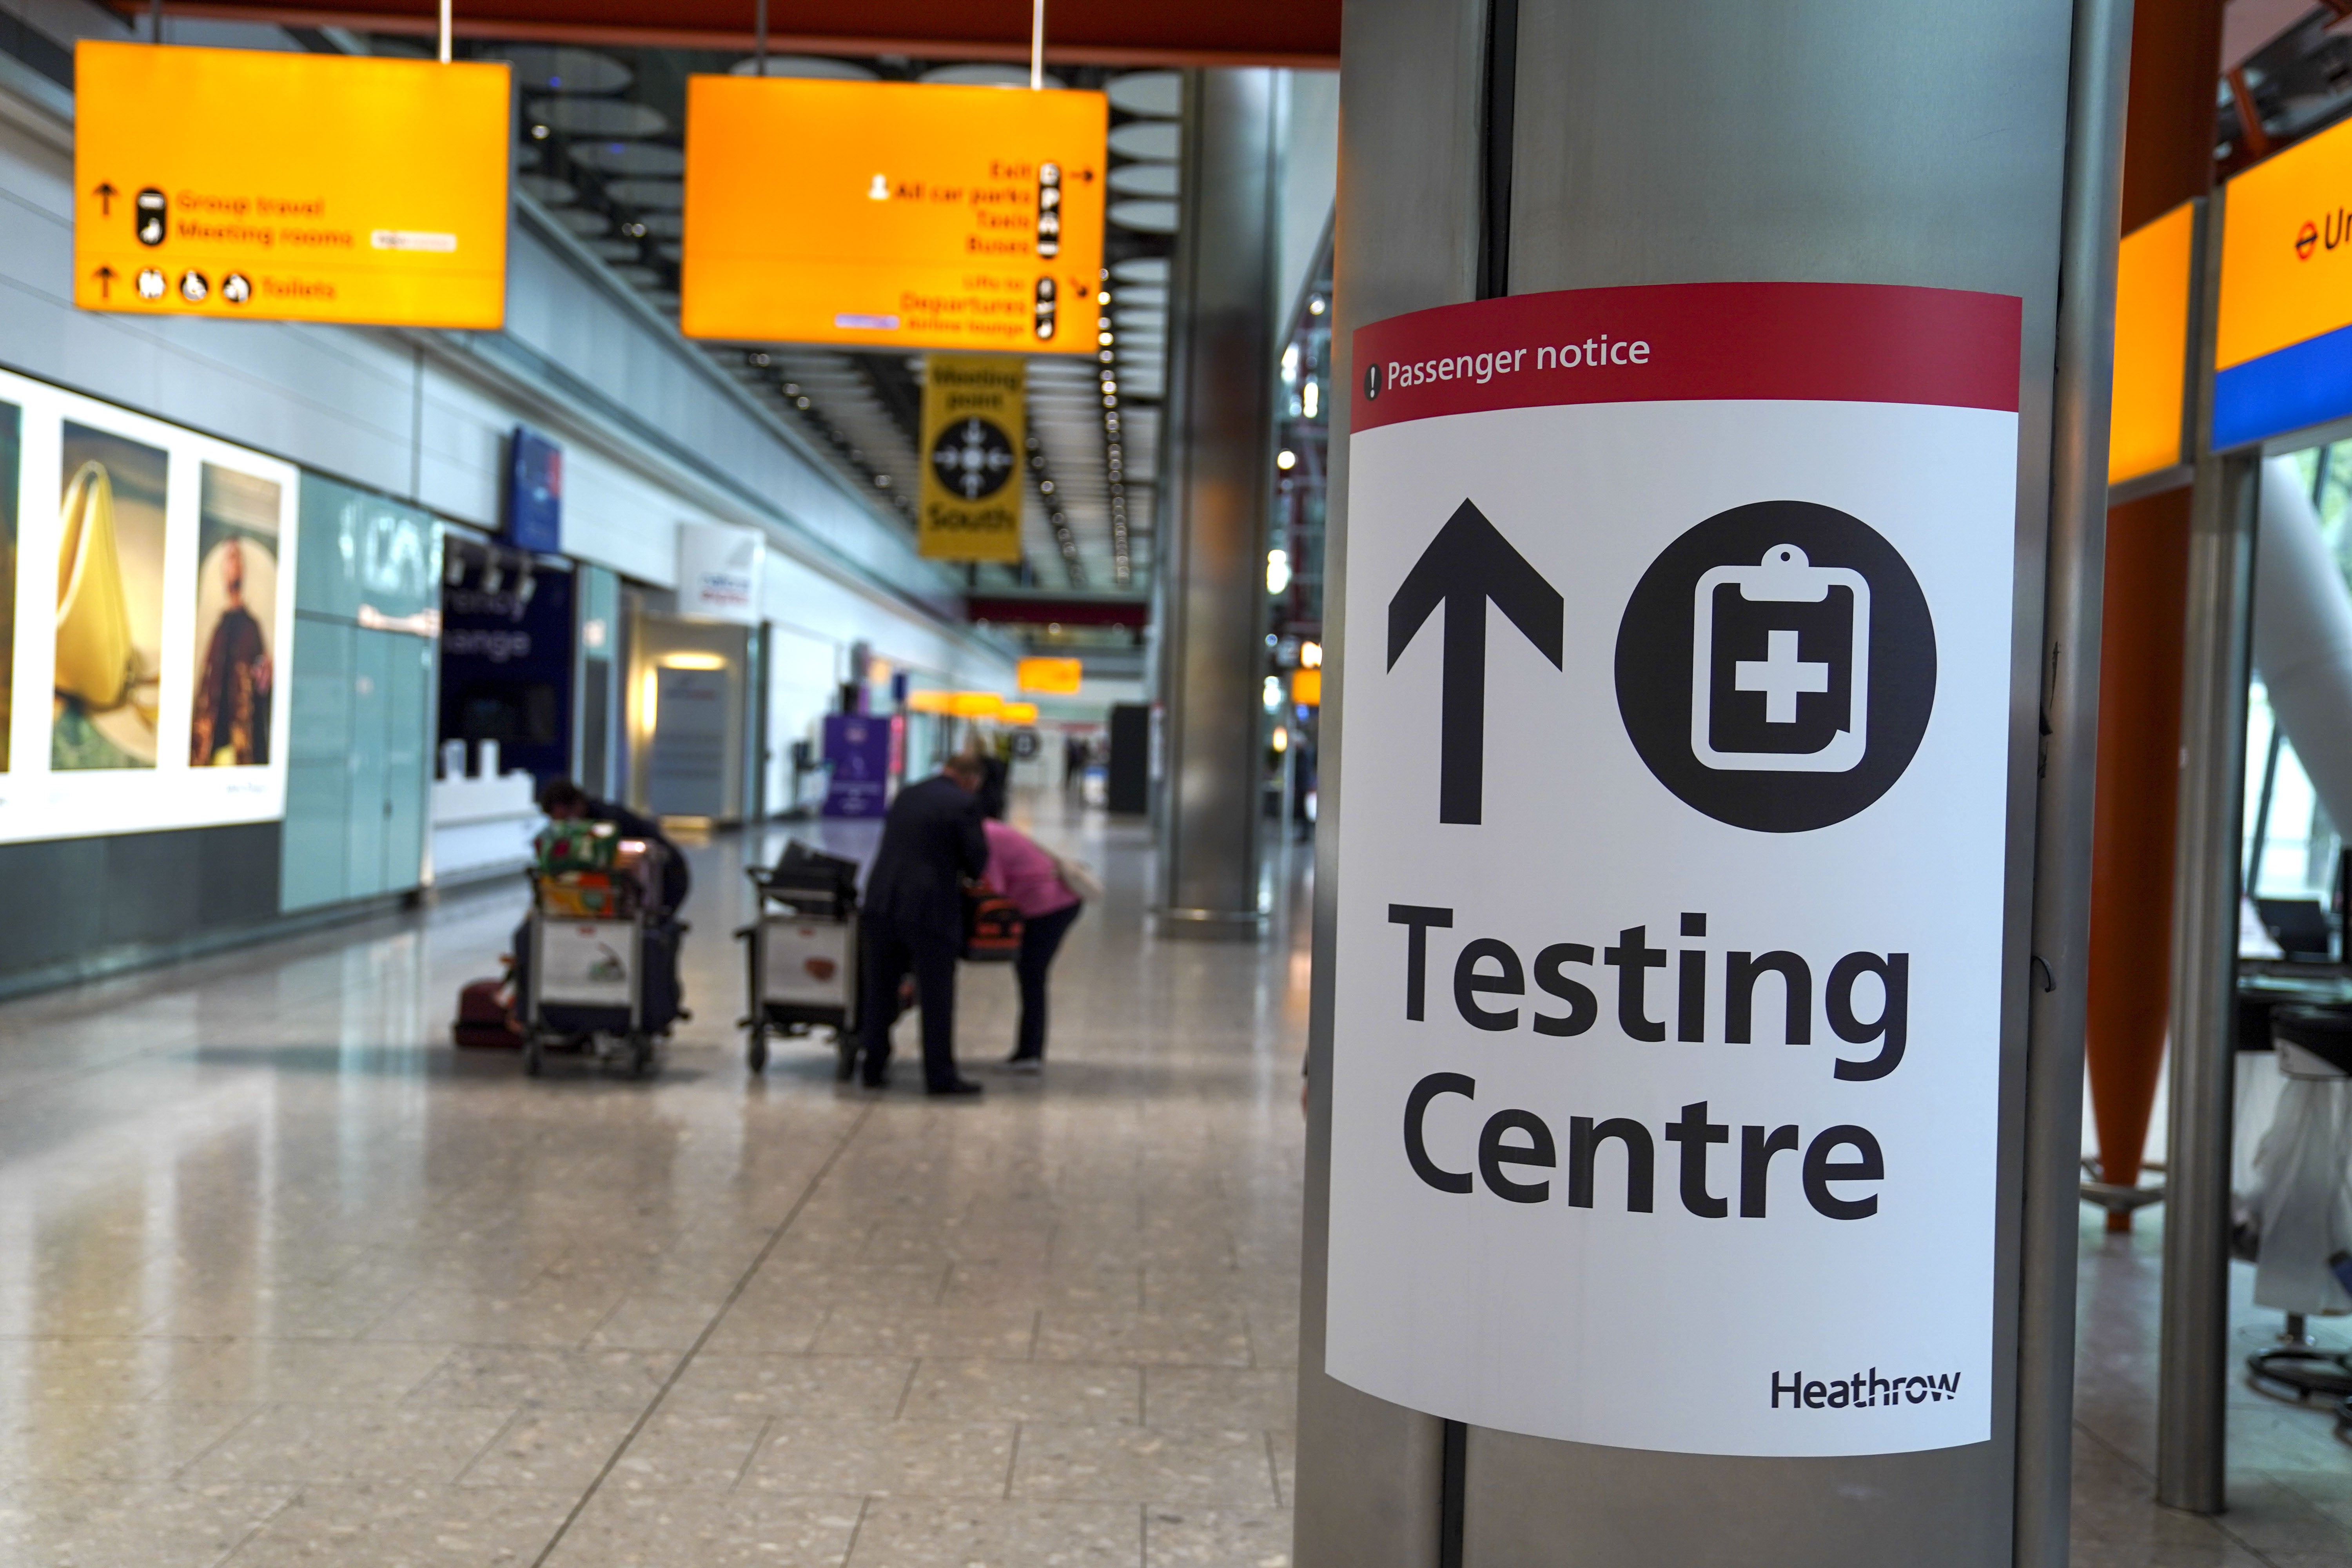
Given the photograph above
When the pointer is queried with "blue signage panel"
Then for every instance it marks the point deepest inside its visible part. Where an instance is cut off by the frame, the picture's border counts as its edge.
(857, 754)
(2305, 384)
(535, 508)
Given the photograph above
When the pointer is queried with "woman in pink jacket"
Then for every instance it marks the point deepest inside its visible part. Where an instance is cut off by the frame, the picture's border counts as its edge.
(1022, 872)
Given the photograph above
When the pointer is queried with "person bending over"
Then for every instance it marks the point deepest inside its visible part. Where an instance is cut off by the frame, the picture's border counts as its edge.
(1025, 873)
(563, 801)
(912, 918)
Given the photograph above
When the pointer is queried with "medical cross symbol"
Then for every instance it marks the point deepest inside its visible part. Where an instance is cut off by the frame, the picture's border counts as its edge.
(1780, 674)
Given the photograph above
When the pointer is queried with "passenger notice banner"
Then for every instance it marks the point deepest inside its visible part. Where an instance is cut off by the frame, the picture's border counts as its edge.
(1669, 961)
(247, 184)
(893, 214)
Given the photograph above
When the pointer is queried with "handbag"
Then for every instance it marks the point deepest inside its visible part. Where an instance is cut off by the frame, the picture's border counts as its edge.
(1077, 876)
(991, 927)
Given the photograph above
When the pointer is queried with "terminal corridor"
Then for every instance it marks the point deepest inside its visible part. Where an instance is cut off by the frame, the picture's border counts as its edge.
(291, 1280)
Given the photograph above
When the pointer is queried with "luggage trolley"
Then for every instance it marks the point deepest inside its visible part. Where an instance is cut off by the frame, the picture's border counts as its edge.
(606, 975)
(800, 953)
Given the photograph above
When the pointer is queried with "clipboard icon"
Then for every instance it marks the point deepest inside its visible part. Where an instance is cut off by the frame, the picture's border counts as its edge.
(1784, 575)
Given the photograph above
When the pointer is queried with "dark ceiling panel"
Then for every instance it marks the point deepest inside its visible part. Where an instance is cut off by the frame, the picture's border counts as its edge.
(1111, 32)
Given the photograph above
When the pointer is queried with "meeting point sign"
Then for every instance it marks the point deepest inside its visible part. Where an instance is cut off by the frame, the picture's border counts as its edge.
(1666, 1045)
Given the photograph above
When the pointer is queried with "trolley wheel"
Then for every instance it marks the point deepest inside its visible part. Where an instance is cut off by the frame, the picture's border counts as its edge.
(755, 1054)
(534, 1052)
(641, 1054)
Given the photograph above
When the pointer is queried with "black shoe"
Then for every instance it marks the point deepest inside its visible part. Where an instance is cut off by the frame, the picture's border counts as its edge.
(872, 1080)
(959, 1087)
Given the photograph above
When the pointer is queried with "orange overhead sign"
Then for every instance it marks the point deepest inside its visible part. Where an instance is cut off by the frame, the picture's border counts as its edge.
(1307, 687)
(893, 214)
(2147, 425)
(241, 182)
(1050, 676)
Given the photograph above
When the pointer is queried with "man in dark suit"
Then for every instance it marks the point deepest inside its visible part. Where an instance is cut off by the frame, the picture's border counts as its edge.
(913, 918)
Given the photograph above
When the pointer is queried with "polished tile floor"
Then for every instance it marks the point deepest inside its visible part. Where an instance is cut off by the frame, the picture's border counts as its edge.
(285, 1280)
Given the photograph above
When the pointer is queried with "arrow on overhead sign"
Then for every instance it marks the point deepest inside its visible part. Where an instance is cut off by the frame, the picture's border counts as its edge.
(1468, 563)
(105, 195)
(105, 276)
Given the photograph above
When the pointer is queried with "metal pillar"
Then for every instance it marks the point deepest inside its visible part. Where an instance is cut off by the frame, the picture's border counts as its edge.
(1834, 141)
(2194, 1376)
(1218, 469)
(1412, 104)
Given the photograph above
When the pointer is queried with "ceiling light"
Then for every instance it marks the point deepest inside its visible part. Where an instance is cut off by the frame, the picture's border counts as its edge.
(1286, 459)
(1315, 306)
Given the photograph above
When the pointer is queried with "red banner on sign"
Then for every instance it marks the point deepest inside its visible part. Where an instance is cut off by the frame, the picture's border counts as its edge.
(1836, 343)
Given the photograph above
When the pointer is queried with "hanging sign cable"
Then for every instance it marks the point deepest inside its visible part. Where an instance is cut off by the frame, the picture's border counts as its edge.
(1037, 46)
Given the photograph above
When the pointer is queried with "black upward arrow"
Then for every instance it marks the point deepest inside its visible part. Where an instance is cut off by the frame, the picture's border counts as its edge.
(1466, 565)
(105, 276)
(105, 195)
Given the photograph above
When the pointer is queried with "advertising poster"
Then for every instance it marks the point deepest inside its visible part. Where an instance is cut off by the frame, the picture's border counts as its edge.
(236, 620)
(1670, 951)
(110, 616)
(141, 676)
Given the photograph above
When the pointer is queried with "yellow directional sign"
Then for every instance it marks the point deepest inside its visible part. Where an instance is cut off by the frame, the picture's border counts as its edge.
(894, 215)
(1050, 676)
(240, 183)
(974, 437)
(2147, 431)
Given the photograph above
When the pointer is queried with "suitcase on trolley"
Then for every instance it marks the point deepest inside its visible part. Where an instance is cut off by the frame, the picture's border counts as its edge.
(801, 953)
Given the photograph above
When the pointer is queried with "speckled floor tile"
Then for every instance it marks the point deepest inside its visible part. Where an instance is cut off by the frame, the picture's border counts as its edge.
(1196, 1467)
(350, 1443)
(1201, 1336)
(898, 1459)
(1023, 1391)
(1211, 1537)
(85, 1525)
(806, 1388)
(904, 1534)
(549, 1449)
(505, 1377)
(386, 1524)
(692, 1530)
(1220, 1398)
(700, 1452)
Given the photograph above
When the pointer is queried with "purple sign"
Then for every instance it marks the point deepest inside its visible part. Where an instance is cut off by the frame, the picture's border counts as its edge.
(858, 756)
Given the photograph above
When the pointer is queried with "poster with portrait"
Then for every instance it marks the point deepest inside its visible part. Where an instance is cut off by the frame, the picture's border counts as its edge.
(140, 678)
(237, 606)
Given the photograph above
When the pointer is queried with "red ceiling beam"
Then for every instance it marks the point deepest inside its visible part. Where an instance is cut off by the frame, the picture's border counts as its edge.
(1057, 610)
(1078, 32)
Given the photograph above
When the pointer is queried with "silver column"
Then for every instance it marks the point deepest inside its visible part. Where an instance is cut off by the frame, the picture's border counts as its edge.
(1833, 140)
(1218, 480)
(1410, 78)
(2193, 1370)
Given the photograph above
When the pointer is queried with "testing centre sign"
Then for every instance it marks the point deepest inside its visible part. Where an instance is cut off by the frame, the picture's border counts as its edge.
(248, 183)
(1667, 1024)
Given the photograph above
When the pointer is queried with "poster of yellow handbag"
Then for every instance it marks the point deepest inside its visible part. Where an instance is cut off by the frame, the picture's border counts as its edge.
(110, 601)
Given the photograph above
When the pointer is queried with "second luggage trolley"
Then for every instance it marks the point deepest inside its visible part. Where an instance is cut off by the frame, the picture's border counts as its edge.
(800, 953)
(604, 972)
